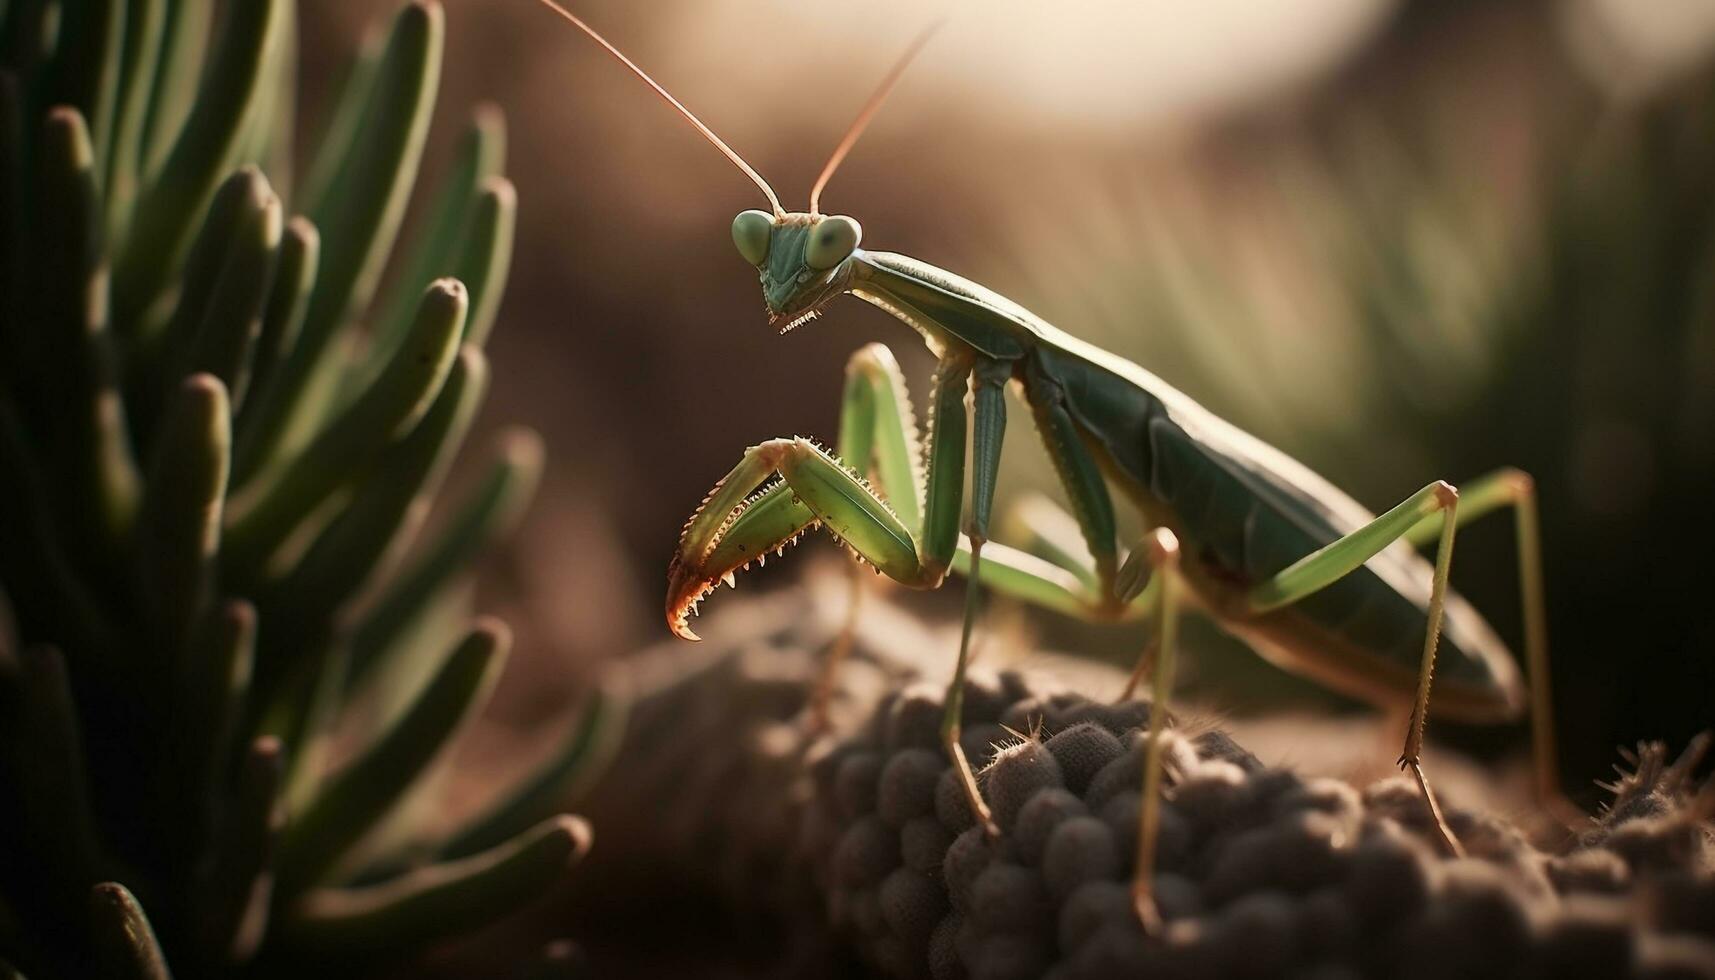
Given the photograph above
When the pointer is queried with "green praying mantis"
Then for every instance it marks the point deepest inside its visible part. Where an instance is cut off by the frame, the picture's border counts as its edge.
(1272, 552)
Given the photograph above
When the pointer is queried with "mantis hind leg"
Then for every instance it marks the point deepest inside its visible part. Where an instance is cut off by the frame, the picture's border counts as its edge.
(1513, 488)
(1438, 502)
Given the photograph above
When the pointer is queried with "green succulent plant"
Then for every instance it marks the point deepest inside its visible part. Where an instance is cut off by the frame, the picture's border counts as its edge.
(218, 438)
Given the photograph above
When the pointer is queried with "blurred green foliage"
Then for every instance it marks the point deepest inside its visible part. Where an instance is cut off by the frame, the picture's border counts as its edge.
(219, 436)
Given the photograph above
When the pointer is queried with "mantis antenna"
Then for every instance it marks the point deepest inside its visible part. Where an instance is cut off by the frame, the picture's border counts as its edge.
(869, 110)
(690, 117)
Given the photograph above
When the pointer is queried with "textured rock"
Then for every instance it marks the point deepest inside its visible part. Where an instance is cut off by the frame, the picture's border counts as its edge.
(1260, 872)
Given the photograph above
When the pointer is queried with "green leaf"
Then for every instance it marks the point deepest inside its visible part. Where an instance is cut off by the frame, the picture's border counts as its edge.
(583, 753)
(382, 415)
(72, 399)
(438, 901)
(269, 143)
(178, 530)
(172, 88)
(360, 794)
(53, 598)
(481, 154)
(217, 318)
(306, 708)
(211, 685)
(43, 745)
(488, 514)
(359, 214)
(205, 150)
(84, 73)
(288, 301)
(486, 255)
(145, 21)
(384, 512)
(335, 147)
(124, 940)
(29, 33)
(232, 322)
(240, 883)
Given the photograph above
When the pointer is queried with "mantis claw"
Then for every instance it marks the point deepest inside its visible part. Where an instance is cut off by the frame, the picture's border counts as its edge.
(732, 528)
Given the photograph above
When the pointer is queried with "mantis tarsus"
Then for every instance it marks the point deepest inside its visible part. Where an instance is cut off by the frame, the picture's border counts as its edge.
(1274, 553)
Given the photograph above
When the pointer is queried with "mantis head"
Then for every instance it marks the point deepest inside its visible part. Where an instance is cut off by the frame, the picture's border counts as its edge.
(804, 260)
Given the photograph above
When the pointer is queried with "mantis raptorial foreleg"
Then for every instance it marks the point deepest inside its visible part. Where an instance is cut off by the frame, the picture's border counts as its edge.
(878, 438)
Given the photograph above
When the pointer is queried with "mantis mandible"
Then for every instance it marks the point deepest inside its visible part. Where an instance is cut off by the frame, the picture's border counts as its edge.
(1272, 552)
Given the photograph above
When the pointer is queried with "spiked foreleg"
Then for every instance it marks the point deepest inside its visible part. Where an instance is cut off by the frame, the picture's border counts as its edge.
(745, 516)
(879, 439)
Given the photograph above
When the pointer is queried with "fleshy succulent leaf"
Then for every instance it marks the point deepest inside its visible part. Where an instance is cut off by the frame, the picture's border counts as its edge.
(213, 683)
(73, 397)
(27, 40)
(288, 296)
(481, 154)
(125, 945)
(232, 323)
(385, 510)
(145, 20)
(335, 145)
(361, 793)
(385, 412)
(595, 735)
(54, 598)
(204, 150)
(43, 748)
(268, 144)
(487, 514)
(439, 900)
(217, 319)
(288, 301)
(152, 297)
(85, 69)
(178, 529)
(241, 878)
(359, 213)
(485, 254)
(173, 87)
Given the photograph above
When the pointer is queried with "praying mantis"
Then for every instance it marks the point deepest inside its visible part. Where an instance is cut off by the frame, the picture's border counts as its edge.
(1270, 551)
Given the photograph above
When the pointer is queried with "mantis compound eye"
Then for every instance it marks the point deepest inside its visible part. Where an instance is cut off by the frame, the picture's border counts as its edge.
(750, 232)
(831, 240)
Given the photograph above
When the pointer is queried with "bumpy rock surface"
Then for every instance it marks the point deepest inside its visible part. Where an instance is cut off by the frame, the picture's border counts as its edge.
(1261, 872)
(732, 843)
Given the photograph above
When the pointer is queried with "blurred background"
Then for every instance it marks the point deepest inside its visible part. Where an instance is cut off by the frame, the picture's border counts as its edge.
(1400, 241)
